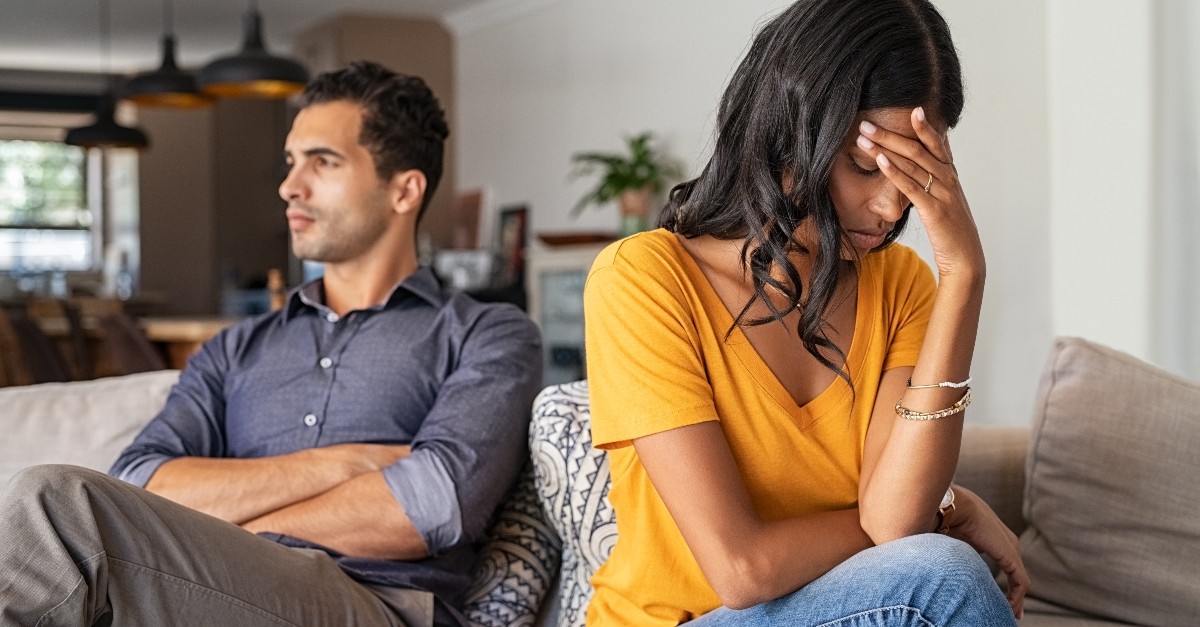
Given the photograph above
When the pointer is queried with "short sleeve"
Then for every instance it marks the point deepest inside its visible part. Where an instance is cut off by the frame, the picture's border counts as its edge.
(909, 291)
(645, 368)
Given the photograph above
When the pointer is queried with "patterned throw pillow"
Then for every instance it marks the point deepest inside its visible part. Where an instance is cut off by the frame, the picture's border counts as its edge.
(517, 564)
(572, 480)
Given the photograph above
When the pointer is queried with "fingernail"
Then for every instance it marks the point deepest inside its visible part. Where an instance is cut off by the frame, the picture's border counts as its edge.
(865, 143)
(921, 113)
(866, 127)
(882, 160)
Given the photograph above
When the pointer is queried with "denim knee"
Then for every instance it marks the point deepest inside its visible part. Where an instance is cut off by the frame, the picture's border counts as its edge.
(947, 574)
(935, 553)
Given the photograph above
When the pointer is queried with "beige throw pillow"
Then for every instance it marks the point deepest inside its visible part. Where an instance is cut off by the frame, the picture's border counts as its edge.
(1113, 490)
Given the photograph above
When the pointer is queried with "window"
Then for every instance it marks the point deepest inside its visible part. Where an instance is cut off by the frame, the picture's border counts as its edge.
(45, 219)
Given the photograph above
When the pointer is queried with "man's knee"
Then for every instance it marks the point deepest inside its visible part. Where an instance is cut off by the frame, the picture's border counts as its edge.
(47, 481)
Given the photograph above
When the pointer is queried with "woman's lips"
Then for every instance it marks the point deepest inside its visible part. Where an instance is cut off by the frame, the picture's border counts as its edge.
(866, 241)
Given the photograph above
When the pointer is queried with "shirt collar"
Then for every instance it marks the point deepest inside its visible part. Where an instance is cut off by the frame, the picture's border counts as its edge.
(422, 284)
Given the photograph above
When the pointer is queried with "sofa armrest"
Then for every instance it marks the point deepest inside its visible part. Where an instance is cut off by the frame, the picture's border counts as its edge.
(992, 464)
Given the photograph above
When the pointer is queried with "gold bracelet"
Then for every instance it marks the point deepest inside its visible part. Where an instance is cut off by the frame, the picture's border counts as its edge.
(909, 414)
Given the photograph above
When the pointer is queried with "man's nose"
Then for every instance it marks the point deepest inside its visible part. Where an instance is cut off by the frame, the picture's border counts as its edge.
(291, 187)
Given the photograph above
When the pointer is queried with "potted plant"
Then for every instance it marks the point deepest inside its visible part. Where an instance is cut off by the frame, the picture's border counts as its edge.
(631, 179)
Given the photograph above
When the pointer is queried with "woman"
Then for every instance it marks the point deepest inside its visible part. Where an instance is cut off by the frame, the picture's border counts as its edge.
(780, 387)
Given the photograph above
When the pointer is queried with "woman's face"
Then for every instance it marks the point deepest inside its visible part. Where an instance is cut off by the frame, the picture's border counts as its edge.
(868, 204)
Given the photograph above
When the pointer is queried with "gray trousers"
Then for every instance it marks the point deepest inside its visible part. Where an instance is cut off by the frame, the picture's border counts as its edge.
(78, 547)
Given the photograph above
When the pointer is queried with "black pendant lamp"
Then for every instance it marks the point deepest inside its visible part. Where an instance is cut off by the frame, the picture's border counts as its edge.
(253, 72)
(104, 132)
(168, 86)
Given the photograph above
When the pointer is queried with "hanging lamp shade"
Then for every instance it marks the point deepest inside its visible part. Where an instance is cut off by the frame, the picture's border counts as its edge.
(168, 86)
(105, 132)
(253, 72)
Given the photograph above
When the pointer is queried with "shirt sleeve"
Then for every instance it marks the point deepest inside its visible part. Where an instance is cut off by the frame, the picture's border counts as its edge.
(645, 368)
(910, 289)
(190, 424)
(473, 442)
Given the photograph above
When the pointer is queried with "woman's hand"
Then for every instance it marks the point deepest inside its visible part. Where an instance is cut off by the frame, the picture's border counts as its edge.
(940, 201)
(976, 524)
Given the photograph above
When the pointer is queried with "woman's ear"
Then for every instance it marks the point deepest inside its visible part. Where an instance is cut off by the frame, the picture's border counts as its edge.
(407, 191)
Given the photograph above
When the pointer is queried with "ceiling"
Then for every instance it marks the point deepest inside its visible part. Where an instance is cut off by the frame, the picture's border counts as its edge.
(65, 34)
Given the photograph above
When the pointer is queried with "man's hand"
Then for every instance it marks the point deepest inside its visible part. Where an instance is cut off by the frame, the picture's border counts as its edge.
(238, 490)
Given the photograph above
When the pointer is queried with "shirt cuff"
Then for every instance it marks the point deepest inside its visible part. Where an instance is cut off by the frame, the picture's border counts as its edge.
(138, 471)
(422, 485)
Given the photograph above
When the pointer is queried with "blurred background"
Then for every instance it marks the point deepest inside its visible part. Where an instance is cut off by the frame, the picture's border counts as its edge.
(1078, 150)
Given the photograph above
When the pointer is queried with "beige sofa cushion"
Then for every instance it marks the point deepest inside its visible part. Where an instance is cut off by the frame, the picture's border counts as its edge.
(1113, 496)
(86, 423)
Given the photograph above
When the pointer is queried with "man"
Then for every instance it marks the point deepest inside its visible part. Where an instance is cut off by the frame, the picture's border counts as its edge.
(365, 432)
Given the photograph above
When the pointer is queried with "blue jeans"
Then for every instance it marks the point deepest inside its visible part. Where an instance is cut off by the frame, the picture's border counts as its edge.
(928, 580)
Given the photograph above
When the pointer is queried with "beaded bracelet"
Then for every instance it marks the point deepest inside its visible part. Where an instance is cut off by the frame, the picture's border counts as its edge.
(909, 414)
(943, 384)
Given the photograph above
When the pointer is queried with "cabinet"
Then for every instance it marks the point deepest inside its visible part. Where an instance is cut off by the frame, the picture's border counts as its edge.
(554, 279)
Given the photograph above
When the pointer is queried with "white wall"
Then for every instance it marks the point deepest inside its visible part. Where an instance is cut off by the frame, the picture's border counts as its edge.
(1102, 122)
(571, 76)
(1177, 179)
(1034, 149)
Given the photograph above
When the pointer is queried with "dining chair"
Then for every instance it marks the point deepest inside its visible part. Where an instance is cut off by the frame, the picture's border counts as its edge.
(128, 348)
(76, 350)
(42, 361)
(12, 368)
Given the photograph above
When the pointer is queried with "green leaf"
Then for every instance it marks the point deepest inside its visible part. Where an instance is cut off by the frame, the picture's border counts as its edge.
(642, 167)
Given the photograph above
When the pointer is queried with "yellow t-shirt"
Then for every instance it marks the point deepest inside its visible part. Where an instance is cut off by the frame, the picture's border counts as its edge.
(658, 360)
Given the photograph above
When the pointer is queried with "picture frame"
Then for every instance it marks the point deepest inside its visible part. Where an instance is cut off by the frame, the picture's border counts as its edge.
(511, 242)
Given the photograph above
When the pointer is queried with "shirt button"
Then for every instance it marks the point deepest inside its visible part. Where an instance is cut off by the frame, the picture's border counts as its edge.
(332, 317)
(326, 362)
(310, 419)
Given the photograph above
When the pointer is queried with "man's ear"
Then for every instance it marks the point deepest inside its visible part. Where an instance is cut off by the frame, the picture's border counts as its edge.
(407, 191)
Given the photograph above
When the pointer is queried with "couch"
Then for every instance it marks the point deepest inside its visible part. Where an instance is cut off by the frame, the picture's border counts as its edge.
(1101, 488)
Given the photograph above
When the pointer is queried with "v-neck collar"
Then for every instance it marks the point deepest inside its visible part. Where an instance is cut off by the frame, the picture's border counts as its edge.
(829, 398)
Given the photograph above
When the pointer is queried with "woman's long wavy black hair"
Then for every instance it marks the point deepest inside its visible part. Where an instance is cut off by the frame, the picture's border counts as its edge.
(786, 112)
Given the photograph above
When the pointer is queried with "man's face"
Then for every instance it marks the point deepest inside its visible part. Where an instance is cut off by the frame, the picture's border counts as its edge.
(337, 207)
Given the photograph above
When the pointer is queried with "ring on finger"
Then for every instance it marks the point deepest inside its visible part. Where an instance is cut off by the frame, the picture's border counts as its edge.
(929, 183)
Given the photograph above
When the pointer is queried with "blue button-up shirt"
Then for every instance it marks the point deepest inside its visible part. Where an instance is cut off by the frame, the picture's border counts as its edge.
(430, 367)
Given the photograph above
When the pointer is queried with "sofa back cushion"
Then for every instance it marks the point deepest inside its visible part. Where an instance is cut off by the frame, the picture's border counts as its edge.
(1112, 496)
(86, 423)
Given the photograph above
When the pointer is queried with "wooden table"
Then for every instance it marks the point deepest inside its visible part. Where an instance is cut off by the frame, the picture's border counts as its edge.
(182, 336)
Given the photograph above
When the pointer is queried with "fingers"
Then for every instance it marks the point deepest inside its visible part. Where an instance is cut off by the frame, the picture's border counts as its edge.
(1018, 584)
(930, 152)
(937, 143)
(908, 178)
(984, 531)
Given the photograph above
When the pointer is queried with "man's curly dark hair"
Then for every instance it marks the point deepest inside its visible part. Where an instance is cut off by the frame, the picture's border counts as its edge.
(403, 125)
